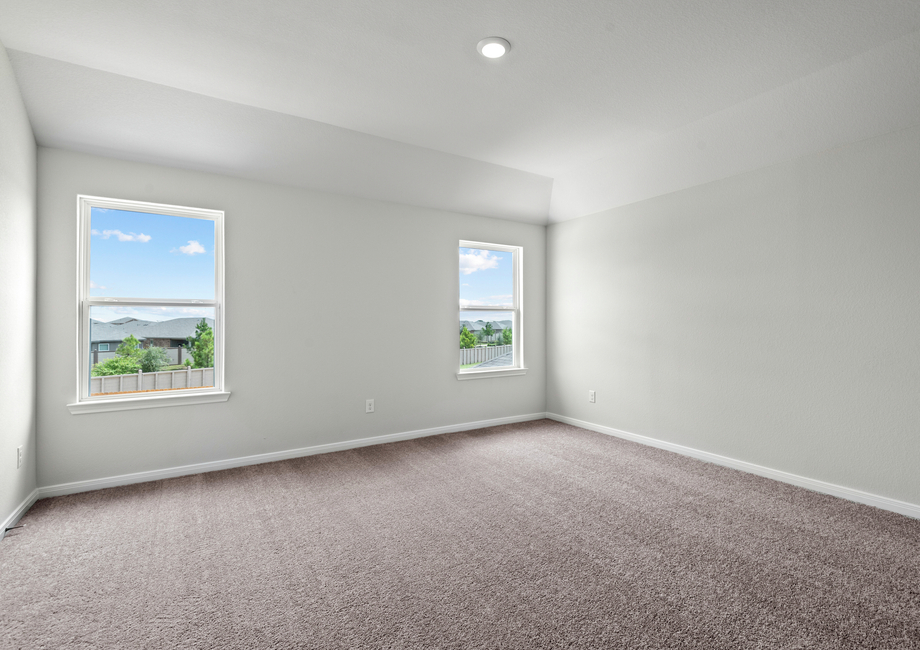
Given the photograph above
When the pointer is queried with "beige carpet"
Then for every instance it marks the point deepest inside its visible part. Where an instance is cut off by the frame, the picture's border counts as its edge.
(536, 535)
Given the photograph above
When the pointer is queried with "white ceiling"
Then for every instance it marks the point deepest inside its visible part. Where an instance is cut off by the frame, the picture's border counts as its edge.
(598, 103)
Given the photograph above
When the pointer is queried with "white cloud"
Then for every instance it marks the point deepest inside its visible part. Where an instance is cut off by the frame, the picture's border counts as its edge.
(122, 236)
(109, 313)
(93, 285)
(464, 285)
(506, 297)
(477, 260)
(192, 248)
(480, 303)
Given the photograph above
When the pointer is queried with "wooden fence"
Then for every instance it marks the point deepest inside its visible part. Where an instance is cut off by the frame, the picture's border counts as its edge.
(144, 381)
(481, 355)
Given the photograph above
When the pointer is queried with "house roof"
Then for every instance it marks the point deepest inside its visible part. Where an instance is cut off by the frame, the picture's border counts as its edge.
(176, 328)
(475, 326)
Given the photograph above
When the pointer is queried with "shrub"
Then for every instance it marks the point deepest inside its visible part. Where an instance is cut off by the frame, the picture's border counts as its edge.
(467, 340)
(152, 359)
(202, 345)
(128, 347)
(115, 366)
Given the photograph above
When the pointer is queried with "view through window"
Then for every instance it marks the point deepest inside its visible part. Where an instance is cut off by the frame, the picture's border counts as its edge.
(489, 307)
(150, 298)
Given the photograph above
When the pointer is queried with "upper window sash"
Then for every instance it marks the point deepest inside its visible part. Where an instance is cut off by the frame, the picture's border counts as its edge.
(86, 203)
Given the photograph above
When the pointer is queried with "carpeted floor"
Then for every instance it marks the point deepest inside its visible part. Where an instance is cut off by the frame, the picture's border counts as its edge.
(535, 535)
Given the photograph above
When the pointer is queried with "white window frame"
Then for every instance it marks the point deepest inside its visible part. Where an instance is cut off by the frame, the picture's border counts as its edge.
(100, 348)
(516, 310)
(87, 404)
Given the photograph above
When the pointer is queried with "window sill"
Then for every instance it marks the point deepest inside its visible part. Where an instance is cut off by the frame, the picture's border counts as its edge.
(147, 402)
(486, 374)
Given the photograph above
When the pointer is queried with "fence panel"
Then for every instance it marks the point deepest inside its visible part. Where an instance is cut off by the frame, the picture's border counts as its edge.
(481, 355)
(147, 381)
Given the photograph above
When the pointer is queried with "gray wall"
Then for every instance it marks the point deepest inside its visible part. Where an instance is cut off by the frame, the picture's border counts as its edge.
(317, 265)
(772, 317)
(17, 293)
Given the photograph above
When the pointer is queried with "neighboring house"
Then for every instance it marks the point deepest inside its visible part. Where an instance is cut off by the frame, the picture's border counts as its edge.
(497, 327)
(170, 334)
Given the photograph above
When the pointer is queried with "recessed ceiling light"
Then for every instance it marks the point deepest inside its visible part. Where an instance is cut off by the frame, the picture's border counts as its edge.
(493, 47)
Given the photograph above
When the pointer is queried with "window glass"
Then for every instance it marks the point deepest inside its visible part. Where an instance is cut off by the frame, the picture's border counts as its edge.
(145, 349)
(490, 308)
(486, 278)
(144, 255)
(486, 339)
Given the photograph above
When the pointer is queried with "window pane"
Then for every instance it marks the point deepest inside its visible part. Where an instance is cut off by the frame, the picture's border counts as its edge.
(143, 255)
(160, 349)
(486, 339)
(486, 278)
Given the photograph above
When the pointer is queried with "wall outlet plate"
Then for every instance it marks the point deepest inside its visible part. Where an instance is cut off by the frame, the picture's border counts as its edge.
(18, 456)
(591, 396)
(369, 406)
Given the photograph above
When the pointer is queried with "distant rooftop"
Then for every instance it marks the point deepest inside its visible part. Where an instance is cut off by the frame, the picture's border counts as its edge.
(122, 328)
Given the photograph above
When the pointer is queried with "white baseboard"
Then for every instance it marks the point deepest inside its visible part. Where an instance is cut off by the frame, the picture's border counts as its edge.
(213, 466)
(17, 514)
(893, 505)
(885, 503)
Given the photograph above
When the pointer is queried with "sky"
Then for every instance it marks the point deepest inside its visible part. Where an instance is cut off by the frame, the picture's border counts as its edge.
(142, 255)
(486, 279)
(107, 314)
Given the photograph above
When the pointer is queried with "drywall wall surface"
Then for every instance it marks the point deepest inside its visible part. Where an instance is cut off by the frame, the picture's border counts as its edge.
(772, 317)
(338, 299)
(17, 294)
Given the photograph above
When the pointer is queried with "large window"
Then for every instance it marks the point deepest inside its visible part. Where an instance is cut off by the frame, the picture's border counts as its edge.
(150, 305)
(491, 324)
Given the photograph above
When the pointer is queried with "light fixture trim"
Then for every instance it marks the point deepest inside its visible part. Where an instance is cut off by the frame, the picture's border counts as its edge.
(493, 47)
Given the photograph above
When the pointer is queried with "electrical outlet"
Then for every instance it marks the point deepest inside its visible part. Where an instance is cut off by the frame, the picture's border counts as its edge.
(369, 406)
(591, 396)
(18, 456)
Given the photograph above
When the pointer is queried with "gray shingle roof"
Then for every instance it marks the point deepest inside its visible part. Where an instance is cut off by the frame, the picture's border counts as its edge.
(475, 326)
(176, 328)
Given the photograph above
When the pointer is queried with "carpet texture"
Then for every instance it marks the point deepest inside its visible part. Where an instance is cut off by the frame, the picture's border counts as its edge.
(534, 535)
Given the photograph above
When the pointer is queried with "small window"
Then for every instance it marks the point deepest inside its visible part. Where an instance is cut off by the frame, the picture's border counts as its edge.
(151, 276)
(491, 323)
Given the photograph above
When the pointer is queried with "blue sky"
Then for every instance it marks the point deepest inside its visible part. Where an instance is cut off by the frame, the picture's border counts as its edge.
(486, 279)
(141, 255)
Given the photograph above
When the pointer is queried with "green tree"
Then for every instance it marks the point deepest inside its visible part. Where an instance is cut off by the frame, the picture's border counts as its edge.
(152, 359)
(467, 340)
(125, 365)
(506, 336)
(487, 331)
(202, 345)
(128, 347)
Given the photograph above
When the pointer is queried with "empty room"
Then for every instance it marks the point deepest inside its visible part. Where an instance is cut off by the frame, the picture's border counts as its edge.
(345, 324)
